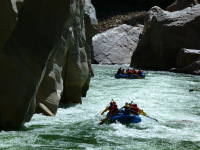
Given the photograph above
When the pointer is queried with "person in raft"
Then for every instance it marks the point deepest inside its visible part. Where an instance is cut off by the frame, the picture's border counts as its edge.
(136, 110)
(129, 72)
(140, 72)
(127, 109)
(113, 109)
(119, 70)
(122, 71)
(112, 106)
(134, 72)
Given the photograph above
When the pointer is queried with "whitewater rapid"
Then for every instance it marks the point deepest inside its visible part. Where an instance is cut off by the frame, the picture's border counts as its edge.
(162, 95)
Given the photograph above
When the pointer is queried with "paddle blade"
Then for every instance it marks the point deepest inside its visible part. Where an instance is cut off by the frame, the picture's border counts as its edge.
(102, 121)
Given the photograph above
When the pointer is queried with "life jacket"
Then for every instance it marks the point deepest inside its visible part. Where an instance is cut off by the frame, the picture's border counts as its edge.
(114, 110)
(139, 72)
(134, 72)
(129, 72)
(110, 107)
(127, 108)
(136, 109)
(133, 105)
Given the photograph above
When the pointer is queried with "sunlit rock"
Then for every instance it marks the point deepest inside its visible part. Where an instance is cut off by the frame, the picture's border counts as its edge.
(115, 46)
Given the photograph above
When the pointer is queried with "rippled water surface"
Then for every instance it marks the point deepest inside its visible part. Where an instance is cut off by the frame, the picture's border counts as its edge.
(162, 95)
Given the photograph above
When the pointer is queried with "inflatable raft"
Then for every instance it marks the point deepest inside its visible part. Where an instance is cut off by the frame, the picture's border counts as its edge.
(123, 118)
(130, 76)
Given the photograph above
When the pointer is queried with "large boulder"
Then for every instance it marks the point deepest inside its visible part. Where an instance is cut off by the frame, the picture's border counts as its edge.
(164, 34)
(187, 56)
(188, 61)
(181, 4)
(193, 69)
(43, 59)
(115, 46)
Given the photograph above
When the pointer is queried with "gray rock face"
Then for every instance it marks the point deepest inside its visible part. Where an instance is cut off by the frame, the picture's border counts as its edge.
(188, 62)
(181, 4)
(193, 69)
(115, 46)
(164, 35)
(44, 58)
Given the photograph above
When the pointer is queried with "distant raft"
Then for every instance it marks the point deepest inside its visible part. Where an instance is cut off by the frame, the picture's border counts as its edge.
(130, 76)
(123, 118)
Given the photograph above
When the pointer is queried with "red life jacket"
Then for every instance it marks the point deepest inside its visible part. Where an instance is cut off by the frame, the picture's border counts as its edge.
(115, 109)
(136, 109)
(139, 72)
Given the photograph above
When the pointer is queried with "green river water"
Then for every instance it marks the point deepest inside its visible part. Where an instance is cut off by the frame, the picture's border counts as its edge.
(162, 95)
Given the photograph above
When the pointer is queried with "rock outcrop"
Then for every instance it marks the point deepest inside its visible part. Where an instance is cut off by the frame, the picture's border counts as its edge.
(188, 61)
(181, 4)
(115, 46)
(187, 56)
(193, 69)
(164, 35)
(44, 57)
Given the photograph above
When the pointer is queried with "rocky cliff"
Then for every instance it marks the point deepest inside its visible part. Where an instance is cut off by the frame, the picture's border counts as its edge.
(45, 56)
(164, 35)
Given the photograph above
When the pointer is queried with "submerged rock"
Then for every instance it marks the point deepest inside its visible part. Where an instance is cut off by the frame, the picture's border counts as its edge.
(115, 46)
(44, 58)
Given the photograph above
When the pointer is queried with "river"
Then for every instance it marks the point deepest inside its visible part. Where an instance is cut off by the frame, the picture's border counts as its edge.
(162, 95)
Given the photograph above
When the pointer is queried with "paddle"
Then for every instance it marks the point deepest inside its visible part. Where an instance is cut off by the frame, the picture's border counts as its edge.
(102, 122)
(146, 116)
(151, 118)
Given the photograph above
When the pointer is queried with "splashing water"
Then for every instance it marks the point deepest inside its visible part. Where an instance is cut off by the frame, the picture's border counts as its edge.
(162, 95)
